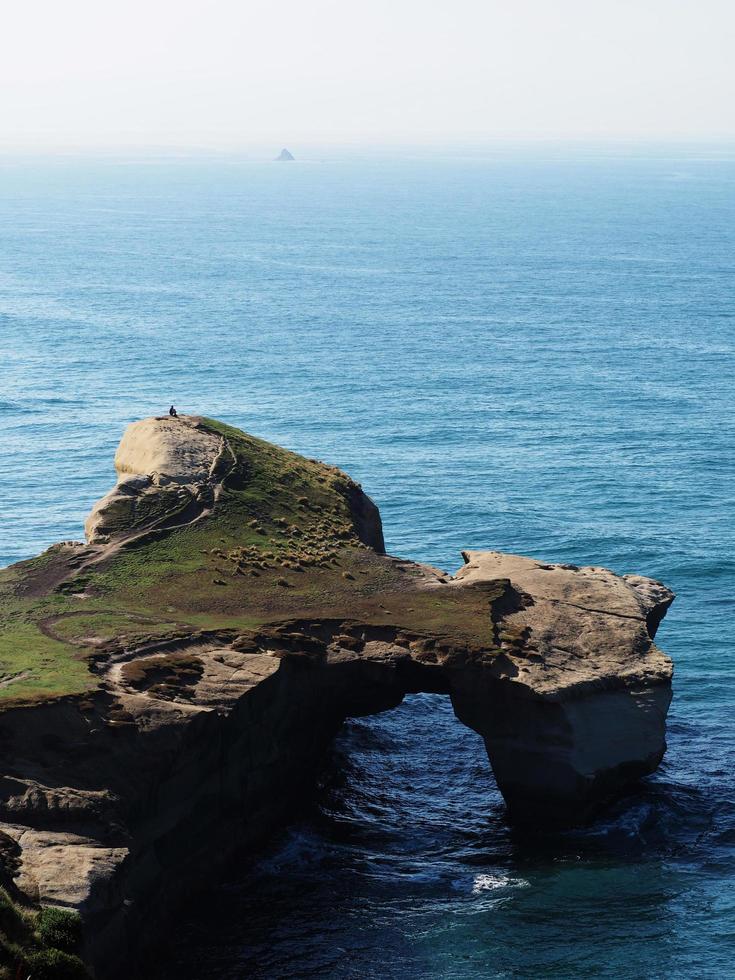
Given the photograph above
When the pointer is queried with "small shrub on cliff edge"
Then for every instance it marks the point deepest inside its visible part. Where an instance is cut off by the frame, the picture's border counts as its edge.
(60, 929)
(53, 964)
(39, 943)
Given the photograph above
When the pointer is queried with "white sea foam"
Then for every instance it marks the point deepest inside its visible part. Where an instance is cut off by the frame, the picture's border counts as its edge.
(491, 882)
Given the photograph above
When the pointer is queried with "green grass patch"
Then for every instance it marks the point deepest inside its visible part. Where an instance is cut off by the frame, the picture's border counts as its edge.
(102, 627)
(33, 665)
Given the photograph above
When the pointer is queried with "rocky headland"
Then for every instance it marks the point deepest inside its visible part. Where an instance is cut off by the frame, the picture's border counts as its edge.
(169, 687)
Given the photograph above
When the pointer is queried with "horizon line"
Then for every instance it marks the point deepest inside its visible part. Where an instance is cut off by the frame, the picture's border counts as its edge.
(311, 144)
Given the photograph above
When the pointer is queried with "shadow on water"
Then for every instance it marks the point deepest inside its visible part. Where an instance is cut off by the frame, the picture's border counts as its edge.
(405, 864)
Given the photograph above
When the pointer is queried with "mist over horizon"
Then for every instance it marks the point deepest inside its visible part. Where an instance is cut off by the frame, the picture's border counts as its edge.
(174, 75)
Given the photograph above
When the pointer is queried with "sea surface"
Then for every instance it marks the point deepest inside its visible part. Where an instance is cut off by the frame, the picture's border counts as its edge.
(529, 349)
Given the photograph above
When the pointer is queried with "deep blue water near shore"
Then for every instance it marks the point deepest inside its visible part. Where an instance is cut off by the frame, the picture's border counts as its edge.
(527, 350)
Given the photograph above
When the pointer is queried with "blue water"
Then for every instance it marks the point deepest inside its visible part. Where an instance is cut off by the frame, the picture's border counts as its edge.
(525, 349)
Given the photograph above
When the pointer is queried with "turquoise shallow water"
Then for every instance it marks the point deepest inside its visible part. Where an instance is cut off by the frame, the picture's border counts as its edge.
(526, 350)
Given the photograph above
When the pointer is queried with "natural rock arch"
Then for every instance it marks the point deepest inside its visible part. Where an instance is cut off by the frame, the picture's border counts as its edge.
(189, 665)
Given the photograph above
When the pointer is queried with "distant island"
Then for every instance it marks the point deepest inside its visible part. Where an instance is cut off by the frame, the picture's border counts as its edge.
(285, 155)
(169, 687)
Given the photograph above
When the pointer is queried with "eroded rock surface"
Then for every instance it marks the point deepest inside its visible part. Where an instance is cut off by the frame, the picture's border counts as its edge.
(167, 472)
(582, 707)
(233, 606)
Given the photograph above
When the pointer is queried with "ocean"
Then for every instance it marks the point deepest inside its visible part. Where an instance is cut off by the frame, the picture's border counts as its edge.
(520, 348)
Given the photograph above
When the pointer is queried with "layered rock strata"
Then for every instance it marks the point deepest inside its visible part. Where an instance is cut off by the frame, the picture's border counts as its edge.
(231, 608)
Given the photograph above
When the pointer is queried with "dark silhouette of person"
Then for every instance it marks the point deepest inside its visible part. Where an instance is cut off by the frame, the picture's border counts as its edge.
(173, 413)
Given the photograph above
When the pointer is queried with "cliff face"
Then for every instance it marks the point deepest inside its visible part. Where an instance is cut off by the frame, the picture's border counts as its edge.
(582, 705)
(187, 667)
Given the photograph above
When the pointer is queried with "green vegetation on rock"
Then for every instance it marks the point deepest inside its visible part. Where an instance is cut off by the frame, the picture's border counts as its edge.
(42, 944)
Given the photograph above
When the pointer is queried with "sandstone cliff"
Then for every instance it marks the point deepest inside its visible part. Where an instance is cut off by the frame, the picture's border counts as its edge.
(170, 687)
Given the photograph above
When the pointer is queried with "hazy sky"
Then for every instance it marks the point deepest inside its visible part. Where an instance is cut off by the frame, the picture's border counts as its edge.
(233, 72)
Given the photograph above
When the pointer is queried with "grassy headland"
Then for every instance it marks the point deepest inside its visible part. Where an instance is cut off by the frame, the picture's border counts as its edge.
(281, 542)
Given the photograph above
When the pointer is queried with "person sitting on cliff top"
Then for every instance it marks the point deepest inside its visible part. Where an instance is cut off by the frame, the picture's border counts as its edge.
(173, 413)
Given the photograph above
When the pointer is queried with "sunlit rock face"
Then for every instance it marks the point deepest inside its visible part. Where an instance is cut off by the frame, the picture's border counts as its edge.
(164, 470)
(581, 706)
(171, 450)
